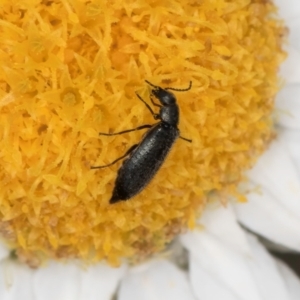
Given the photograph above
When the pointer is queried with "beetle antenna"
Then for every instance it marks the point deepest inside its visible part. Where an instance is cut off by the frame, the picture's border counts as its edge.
(155, 86)
(180, 90)
(169, 88)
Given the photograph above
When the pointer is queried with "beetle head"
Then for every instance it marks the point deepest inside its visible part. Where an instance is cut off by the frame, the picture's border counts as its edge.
(165, 97)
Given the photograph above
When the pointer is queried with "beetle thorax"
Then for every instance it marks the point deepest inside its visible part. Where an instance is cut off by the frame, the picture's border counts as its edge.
(170, 114)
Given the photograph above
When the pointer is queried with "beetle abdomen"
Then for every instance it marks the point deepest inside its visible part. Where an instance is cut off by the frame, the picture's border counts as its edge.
(144, 162)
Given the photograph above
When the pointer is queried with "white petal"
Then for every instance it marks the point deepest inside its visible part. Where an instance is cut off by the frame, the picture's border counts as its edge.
(100, 282)
(292, 141)
(57, 281)
(264, 215)
(217, 268)
(15, 281)
(220, 271)
(291, 280)
(206, 285)
(276, 173)
(288, 8)
(157, 280)
(288, 106)
(294, 36)
(220, 222)
(274, 210)
(290, 69)
(264, 268)
(4, 251)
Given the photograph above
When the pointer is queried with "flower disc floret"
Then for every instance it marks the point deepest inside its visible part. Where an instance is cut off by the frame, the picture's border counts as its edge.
(70, 69)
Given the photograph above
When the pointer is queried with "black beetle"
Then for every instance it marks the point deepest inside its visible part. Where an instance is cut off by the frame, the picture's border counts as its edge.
(147, 157)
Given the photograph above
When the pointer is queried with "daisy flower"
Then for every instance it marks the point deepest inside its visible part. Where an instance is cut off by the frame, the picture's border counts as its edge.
(71, 69)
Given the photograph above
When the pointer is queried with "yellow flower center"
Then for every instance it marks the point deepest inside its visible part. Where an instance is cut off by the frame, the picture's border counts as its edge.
(70, 69)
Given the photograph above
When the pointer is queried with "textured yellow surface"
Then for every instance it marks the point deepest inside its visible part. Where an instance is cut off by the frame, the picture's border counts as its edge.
(70, 69)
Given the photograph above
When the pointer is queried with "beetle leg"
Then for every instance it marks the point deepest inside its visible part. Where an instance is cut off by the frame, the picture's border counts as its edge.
(155, 116)
(188, 140)
(155, 104)
(128, 130)
(126, 154)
